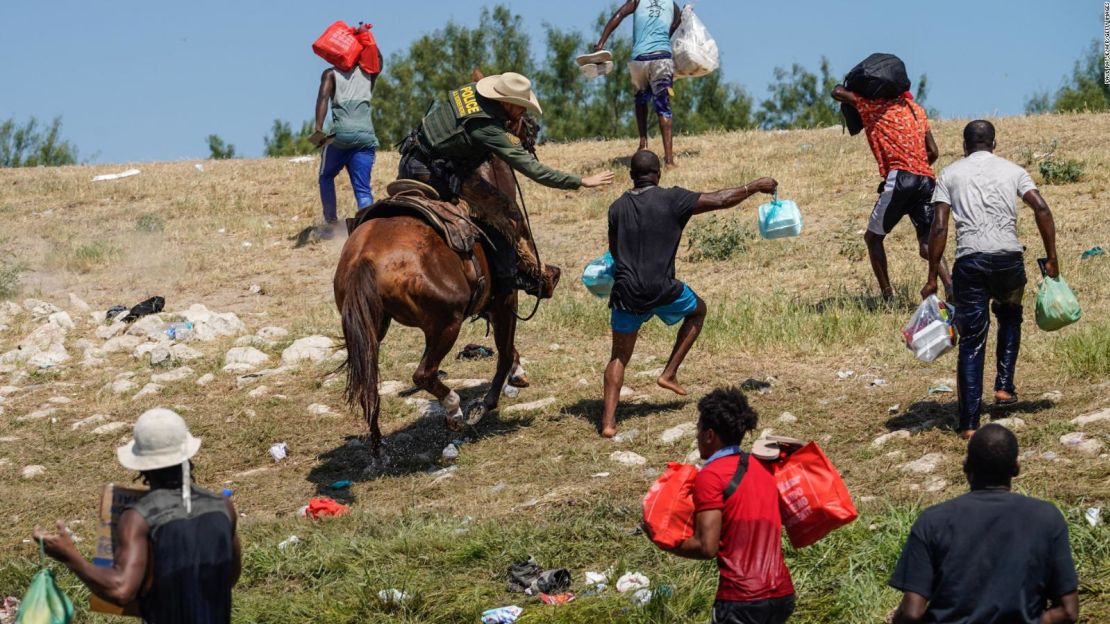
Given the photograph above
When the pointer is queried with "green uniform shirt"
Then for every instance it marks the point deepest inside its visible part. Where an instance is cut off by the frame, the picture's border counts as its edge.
(465, 128)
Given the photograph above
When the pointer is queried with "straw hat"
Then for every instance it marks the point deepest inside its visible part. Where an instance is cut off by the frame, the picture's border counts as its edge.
(510, 88)
(161, 440)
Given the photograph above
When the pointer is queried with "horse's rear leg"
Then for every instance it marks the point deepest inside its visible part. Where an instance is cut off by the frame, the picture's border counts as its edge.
(437, 344)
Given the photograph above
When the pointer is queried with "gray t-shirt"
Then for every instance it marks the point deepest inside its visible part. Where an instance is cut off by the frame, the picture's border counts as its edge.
(982, 190)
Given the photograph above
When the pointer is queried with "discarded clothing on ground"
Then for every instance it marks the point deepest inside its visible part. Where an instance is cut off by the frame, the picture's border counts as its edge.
(325, 507)
(474, 352)
(529, 578)
(154, 305)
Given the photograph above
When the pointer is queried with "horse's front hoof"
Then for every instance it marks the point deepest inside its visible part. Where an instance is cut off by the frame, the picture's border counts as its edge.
(475, 412)
(519, 381)
(456, 421)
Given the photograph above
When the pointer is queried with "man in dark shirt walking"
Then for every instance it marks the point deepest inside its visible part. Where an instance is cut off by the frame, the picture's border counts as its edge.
(645, 227)
(179, 538)
(989, 556)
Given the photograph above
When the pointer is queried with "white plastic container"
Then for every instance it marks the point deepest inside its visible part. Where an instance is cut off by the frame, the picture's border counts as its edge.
(779, 218)
(932, 341)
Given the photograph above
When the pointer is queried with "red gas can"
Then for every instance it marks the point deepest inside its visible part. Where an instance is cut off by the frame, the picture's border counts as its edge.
(370, 59)
(338, 46)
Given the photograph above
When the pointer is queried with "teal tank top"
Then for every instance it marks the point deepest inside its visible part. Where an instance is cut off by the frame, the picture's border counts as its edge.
(350, 110)
(651, 27)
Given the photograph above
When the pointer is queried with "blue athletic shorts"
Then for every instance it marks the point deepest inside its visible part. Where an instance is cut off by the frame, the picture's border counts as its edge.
(629, 323)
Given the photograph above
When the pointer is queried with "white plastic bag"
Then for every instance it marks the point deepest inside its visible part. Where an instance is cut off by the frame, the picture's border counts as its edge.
(695, 51)
(930, 332)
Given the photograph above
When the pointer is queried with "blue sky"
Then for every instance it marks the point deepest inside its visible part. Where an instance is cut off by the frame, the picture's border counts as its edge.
(140, 80)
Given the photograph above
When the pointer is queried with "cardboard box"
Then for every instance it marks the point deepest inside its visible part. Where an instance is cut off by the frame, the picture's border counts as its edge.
(113, 501)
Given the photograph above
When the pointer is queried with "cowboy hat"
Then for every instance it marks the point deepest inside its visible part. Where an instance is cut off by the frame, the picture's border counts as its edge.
(161, 440)
(511, 88)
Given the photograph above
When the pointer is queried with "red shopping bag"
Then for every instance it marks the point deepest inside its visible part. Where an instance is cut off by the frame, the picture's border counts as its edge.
(669, 506)
(338, 46)
(813, 499)
(369, 59)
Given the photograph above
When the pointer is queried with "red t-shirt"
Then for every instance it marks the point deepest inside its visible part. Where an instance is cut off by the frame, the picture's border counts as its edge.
(750, 558)
(896, 132)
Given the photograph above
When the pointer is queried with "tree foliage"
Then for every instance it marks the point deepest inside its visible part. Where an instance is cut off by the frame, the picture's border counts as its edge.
(1084, 90)
(29, 144)
(800, 99)
(218, 149)
(282, 141)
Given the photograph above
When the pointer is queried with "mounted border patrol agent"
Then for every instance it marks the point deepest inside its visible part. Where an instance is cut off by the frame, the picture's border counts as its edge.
(458, 133)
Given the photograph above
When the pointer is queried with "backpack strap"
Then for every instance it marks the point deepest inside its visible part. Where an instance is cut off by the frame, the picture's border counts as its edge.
(741, 470)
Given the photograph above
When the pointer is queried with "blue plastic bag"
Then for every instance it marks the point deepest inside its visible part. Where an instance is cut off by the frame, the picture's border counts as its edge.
(779, 218)
(597, 277)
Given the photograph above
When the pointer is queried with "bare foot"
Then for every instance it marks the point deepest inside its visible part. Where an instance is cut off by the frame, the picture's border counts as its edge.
(672, 385)
(608, 432)
(671, 164)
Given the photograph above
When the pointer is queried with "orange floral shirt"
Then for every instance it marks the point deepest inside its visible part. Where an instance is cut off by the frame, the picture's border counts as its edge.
(896, 132)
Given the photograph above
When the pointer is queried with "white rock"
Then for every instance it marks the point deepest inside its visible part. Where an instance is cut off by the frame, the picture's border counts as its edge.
(927, 464)
(531, 406)
(628, 458)
(181, 352)
(39, 414)
(389, 388)
(40, 309)
(272, 334)
(149, 326)
(1102, 415)
(9, 310)
(259, 392)
(455, 384)
(450, 452)
(1013, 423)
(340, 355)
(787, 418)
(78, 305)
(1053, 395)
(8, 390)
(693, 457)
(935, 484)
(30, 472)
(845, 374)
(206, 379)
(627, 435)
(318, 409)
(44, 347)
(895, 456)
(122, 386)
(654, 373)
(98, 317)
(248, 378)
(148, 390)
(678, 432)
(161, 354)
(208, 325)
(177, 374)
(62, 319)
(246, 341)
(95, 419)
(60, 400)
(627, 393)
(110, 428)
(900, 434)
(1079, 442)
(147, 348)
(314, 349)
(426, 407)
(121, 343)
(242, 359)
(104, 332)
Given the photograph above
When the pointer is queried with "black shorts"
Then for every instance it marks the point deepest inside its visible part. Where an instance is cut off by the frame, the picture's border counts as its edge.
(901, 194)
(771, 611)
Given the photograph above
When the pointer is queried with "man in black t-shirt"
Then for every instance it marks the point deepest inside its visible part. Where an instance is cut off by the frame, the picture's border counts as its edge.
(645, 227)
(989, 556)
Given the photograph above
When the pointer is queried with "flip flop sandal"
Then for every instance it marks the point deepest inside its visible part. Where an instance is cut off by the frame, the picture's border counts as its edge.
(594, 58)
(1010, 401)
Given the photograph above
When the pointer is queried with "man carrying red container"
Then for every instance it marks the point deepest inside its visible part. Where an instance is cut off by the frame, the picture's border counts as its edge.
(351, 142)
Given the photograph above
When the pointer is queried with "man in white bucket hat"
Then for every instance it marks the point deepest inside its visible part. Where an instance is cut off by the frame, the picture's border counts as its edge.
(189, 534)
(458, 134)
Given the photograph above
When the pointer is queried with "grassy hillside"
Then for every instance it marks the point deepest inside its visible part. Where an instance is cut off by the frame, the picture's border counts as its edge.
(798, 311)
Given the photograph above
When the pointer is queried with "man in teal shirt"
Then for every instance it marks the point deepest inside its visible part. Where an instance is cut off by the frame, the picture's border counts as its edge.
(458, 134)
(652, 66)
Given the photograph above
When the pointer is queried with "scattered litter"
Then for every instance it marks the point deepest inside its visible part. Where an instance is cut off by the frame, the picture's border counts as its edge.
(511, 391)
(940, 389)
(279, 451)
(600, 475)
(9, 608)
(451, 452)
(393, 596)
(556, 599)
(1092, 252)
(632, 581)
(116, 176)
(893, 409)
(845, 374)
(597, 580)
(642, 597)
(474, 352)
(154, 305)
(341, 485)
(529, 578)
(1093, 515)
(878, 383)
(626, 436)
(179, 331)
(502, 615)
(753, 385)
(325, 507)
(302, 159)
(292, 540)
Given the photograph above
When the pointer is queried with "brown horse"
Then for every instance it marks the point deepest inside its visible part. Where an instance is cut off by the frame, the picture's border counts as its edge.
(398, 268)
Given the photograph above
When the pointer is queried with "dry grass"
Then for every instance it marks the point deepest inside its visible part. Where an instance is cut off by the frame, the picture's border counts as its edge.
(798, 310)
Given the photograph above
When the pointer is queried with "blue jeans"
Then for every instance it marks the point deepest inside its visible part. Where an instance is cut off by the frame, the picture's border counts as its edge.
(979, 279)
(359, 164)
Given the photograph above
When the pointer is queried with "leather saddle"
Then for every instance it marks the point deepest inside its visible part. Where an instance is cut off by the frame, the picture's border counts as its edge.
(414, 198)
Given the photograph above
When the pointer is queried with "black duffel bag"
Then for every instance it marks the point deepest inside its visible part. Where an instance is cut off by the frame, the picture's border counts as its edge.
(879, 76)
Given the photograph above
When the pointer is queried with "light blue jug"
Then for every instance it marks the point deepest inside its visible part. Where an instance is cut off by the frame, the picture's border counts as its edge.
(779, 219)
(597, 277)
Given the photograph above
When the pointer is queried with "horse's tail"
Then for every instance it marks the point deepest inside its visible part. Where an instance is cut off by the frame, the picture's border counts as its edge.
(362, 313)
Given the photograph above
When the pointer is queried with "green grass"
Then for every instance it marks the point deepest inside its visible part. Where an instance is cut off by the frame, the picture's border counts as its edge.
(150, 222)
(85, 258)
(9, 278)
(1086, 353)
(718, 238)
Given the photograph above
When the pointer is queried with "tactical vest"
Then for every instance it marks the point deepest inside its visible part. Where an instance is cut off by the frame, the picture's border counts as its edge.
(444, 126)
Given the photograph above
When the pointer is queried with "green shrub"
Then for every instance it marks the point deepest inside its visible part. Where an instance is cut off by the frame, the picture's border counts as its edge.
(84, 258)
(150, 222)
(1061, 171)
(718, 239)
(9, 278)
